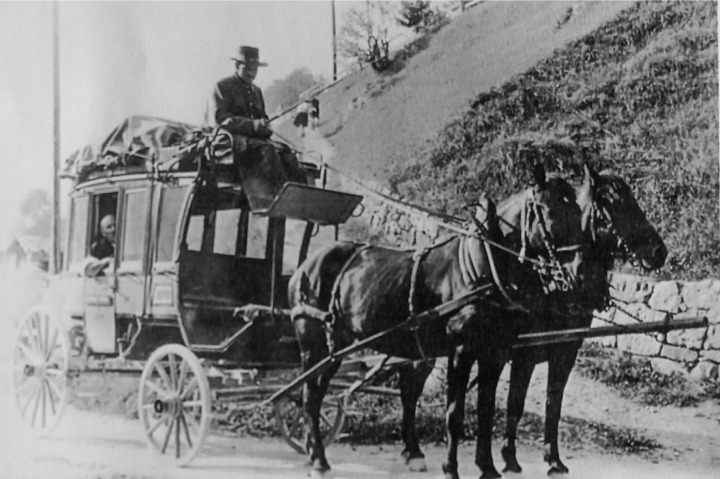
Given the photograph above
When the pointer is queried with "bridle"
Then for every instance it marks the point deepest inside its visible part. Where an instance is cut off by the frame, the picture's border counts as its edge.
(552, 269)
(599, 214)
(551, 272)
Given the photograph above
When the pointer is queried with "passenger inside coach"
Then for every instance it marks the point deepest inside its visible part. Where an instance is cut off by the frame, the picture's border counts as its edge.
(102, 250)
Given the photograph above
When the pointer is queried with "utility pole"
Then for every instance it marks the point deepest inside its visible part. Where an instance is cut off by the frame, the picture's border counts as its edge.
(334, 41)
(54, 265)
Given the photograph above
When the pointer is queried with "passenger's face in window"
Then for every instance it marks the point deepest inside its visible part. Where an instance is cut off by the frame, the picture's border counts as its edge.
(107, 227)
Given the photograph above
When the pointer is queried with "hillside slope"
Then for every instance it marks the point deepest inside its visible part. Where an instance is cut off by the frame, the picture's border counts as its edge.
(376, 120)
(628, 86)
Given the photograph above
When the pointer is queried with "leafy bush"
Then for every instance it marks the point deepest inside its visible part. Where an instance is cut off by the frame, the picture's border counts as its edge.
(418, 15)
(639, 96)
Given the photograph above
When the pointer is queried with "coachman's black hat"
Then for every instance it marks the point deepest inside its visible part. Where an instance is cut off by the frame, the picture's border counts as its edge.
(249, 55)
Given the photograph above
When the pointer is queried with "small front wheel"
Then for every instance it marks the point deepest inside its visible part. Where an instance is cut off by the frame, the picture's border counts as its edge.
(174, 403)
(40, 370)
(294, 423)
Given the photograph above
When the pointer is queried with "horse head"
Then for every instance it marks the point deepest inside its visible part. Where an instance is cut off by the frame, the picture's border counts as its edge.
(546, 222)
(618, 225)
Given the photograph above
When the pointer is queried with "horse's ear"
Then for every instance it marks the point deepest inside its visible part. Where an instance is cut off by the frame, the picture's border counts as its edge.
(539, 175)
(590, 173)
(485, 210)
(588, 177)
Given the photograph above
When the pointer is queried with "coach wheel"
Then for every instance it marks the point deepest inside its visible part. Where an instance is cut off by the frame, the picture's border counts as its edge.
(174, 403)
(40, 370)
(293, 421)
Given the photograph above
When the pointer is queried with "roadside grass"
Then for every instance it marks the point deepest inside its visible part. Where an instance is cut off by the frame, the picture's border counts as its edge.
(635, 378)
(378, 422)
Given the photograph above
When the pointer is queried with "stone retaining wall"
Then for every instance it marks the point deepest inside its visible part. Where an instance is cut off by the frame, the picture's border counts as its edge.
(694, 351)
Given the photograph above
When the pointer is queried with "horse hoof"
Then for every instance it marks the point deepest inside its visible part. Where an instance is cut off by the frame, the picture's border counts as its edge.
(491, 475)
(450, 472)
(318, 474)
(558, 468)
(417, 464)
(513, 468)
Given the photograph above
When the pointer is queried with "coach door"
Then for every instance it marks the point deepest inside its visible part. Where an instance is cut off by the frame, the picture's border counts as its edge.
(99, 290)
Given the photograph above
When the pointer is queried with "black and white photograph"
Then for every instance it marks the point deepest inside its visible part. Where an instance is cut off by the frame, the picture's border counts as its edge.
(354, 239)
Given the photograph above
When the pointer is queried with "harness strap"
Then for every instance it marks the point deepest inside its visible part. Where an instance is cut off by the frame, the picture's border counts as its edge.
(417, 258)
(335, 298)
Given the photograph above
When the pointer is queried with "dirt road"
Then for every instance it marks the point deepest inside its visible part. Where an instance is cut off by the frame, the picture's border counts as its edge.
(89, 445)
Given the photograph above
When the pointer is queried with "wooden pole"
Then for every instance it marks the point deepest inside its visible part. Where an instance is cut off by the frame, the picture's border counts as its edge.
(334, 41)
(569, 335)
(55, 224)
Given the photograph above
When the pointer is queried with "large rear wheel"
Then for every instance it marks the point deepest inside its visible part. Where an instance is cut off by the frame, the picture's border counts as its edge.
(174, 403)
(294, 422)
(40, 370)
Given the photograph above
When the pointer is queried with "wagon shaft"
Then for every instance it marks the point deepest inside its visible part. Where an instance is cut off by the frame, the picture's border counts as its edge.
(568, 335)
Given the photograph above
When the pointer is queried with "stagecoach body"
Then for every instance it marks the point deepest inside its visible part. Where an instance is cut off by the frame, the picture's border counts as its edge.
(193, 265)
(198, 282)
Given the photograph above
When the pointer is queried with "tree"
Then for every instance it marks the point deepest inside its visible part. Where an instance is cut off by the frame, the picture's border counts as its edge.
(418, 15)
(364, 34)
(285, 92)
(36, 212)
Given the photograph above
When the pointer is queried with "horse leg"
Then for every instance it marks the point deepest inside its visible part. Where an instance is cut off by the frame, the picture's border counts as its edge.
(457, 377)
(313, 347)
(489, 371)
(412, 379)
(560, 364)
(520, 373)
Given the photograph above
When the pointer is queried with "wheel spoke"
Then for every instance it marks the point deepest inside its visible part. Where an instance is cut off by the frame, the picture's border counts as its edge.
(54, 388)
(155, 388)
(43, 412)
(167, 436)
(21, 389)
(188, 404)
(162, 420)
(177, 438)
(27, 351)
(46, 336)
(192, 422)
(192, 386)
(38, 393)
(173, 372)
(187, 430)
(163, 375)
(325, 419)
(56, 372)
(297, 423)
(30, 397)
(182, 377)
(52, 346)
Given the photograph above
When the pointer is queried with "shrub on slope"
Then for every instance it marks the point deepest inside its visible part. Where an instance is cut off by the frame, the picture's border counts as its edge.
(638, 96)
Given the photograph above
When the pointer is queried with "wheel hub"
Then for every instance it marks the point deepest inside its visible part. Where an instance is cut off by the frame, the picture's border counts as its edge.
(171, 406)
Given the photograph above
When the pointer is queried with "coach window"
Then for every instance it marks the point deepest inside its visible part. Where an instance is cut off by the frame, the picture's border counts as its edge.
(134, 227)
(171, 204)
(78, 231)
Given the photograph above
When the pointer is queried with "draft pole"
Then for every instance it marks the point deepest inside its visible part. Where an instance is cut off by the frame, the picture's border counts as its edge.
(55, 253)
(334, 41)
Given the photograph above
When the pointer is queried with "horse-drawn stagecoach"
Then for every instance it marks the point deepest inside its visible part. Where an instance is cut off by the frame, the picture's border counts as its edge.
(201, 290)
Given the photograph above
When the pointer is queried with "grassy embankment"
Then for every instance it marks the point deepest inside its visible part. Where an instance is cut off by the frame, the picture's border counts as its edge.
(638, 96)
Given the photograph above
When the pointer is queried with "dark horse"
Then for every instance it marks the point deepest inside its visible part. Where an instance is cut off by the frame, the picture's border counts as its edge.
(369, 290)
(618, 228)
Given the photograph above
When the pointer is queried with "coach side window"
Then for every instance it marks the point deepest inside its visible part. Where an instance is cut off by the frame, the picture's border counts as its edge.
(78, 231)
(134, 227)
(171, 203)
